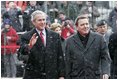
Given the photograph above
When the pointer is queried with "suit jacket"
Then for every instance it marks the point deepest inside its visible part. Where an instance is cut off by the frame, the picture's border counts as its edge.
(43, 62)
(84, 62)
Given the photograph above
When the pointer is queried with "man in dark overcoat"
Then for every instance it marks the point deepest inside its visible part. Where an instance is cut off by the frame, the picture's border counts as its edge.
(87, 54)
(44, 49)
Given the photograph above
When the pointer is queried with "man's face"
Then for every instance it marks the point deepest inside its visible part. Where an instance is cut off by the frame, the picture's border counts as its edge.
(102, 29)
(61, 16)
(12, 5)
(33, 3)
(89, 3)
(83, 26)
(39, 21)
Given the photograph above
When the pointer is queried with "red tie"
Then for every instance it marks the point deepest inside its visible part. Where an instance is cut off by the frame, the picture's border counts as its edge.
(41, 35)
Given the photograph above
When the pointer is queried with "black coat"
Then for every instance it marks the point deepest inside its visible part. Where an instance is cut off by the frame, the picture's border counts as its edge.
(113, 19)
(113, 53)
(84, 63)
(43, 62)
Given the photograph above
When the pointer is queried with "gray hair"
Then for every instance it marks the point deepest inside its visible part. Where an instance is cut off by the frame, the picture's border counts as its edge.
(35, 13)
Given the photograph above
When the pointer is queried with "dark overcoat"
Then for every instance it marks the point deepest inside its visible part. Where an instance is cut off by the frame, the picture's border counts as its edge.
(113, 54)
(85, 63)
(43, 62)
(112, 20)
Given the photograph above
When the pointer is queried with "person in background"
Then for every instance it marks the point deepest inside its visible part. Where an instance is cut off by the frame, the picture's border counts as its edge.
(27, 24)
(13, 13)
(20, 4)
(92, 11)
(62, 17)
(52, 10)
(57, 28)
(67, 28)
(86, 52)
(113, 19)
(79, 5)
(43, 46)
(9, 38)
(103, 29)
(68, 8)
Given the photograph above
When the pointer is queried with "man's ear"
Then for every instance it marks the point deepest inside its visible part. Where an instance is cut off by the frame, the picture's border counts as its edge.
(33, 22)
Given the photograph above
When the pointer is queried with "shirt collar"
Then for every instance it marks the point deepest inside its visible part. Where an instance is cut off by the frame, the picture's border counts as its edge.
(82, 36)
(44, 31)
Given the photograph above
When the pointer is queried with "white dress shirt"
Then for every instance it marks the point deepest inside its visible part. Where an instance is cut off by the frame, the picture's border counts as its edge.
(44, 35)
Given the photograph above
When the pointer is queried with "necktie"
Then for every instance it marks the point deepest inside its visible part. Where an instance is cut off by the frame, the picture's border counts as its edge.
(41, 35)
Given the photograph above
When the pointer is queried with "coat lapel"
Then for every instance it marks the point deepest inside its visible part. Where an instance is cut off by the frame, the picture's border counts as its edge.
(48, 38)
(90, 40)
(39, 42)
(78, 41)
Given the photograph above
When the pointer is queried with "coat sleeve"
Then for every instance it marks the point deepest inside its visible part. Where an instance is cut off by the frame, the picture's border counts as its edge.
(105, 58)
(24, 48)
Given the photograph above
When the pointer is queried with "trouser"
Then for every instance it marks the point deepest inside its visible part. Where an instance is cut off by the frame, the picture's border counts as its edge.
(10, 65)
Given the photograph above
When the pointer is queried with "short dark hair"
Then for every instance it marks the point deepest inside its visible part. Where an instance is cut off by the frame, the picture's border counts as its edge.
(84, 16)
(61, 12)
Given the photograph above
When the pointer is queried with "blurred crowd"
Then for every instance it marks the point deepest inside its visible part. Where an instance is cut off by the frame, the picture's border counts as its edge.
(61, 16)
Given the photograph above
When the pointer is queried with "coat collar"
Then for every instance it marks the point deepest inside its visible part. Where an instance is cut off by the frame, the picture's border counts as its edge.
(89, 42)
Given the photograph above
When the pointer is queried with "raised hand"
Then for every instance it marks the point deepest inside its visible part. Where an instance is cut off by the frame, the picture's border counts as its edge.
(33, 40)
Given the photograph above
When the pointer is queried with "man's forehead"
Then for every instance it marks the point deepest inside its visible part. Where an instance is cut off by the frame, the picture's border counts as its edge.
(83, 20)
(40, 16)
(83, 17)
